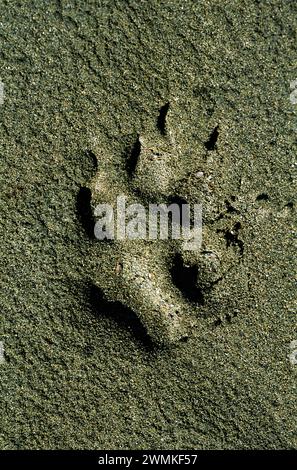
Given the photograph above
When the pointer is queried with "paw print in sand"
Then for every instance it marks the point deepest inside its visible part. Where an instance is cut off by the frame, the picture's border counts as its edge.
(162, 281)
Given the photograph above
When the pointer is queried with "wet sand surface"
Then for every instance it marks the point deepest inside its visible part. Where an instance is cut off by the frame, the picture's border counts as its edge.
(82, 80)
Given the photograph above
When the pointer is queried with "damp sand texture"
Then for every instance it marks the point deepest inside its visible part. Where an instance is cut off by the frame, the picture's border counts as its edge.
(82, 81)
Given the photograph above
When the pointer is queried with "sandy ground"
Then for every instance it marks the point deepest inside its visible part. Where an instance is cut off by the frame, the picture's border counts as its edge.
(83, 77)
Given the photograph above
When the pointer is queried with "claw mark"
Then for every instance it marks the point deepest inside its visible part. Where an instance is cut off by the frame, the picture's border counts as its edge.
(133, 157)
(262, 197)
(161, 123)
(210, 144)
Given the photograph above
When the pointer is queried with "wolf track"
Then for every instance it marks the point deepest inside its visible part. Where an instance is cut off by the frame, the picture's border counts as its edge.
(139, 273)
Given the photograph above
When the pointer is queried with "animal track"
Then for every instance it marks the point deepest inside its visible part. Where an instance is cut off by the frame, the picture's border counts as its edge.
(163, 283)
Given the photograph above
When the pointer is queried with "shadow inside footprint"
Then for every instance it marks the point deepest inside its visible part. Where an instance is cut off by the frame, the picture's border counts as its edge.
(84, 210)
(210, 144)
(133, 157)
(161, 121)
(185, 278)
(124, 317)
